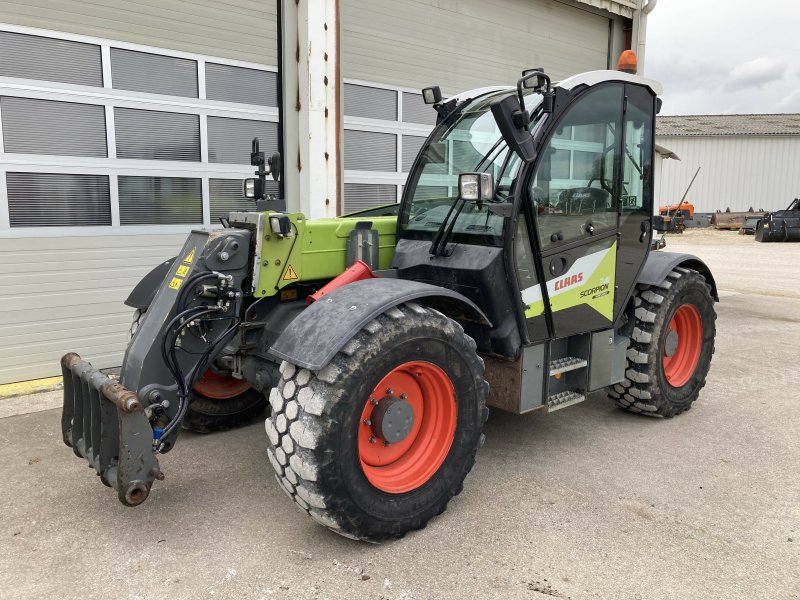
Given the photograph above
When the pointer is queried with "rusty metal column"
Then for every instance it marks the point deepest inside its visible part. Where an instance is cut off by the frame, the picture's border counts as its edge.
(312, 107)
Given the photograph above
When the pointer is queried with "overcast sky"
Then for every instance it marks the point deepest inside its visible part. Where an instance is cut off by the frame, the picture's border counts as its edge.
(726, 56)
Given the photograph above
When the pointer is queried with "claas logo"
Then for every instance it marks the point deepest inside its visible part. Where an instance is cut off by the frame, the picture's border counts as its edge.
(569, 281)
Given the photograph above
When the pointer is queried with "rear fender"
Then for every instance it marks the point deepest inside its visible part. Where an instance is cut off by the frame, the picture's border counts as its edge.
(142, 295)
(314, 337)
(660, 264)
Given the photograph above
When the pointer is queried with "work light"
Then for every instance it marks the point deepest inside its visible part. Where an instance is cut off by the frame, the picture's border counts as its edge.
(475, 187)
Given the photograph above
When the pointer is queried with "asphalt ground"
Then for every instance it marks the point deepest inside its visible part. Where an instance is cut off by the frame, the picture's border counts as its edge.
(587, 502)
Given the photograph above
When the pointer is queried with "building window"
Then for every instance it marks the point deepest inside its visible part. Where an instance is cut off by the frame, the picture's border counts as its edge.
(58, 200)
(225, 196)
(370, 151)
(359, 196)
(238, 84)
(159, 200)
(53, 128)
(411, 146)
(153, 73)
(156, 135)
(49, 59)
(230, 140)
(416, 111)
(369, 102)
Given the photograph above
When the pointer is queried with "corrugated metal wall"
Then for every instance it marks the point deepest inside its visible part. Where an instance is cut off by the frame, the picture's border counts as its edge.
(65, 294)
(737, 172)
(464, 45)
(238, 29)
(459, 45)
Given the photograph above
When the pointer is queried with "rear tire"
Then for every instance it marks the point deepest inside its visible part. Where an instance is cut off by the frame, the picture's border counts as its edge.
(670, 350)
(322, 444)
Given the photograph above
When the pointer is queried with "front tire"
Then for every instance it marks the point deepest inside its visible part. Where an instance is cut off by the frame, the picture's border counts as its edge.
(670, 350)
(411, 376)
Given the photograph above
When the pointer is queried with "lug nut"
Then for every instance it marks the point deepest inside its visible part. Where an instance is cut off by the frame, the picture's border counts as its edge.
(389, 391)
(372, 440)
(386, 444)
(403, 396)
(367, 422)
(373, 401)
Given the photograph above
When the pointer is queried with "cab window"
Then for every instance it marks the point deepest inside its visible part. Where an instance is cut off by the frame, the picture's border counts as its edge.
(572, 191)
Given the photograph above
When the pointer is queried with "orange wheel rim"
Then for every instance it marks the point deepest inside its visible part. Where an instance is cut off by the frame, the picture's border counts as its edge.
(424, 391)
(220, 387)
(682, 345)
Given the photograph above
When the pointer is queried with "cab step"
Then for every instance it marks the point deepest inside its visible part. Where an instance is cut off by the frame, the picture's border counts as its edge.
(564, 399)
(568, 363)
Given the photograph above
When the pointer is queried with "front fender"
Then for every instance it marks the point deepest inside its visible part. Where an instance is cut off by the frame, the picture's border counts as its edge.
(142, 295)
(314, 337)
(659, 265)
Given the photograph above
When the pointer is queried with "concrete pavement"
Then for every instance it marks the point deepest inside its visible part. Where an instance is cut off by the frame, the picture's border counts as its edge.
(588, 502)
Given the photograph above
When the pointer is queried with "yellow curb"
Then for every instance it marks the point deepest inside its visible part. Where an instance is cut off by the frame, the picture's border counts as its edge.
(9, 390)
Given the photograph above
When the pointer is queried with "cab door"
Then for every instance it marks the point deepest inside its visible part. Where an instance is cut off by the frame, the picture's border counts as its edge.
(573, 203)
(636, 190)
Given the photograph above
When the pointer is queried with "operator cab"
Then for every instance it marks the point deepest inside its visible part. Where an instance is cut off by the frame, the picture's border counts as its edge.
(552, 241)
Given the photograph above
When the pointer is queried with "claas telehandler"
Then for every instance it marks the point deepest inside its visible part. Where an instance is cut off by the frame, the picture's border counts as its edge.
(516, 273)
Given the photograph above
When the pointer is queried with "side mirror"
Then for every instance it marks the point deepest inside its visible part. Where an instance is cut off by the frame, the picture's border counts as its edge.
(476, 187)
(661, 223)
(511, 119)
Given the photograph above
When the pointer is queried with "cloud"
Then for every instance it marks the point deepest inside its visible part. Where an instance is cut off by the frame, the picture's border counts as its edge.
(756, 73)
(790, 103)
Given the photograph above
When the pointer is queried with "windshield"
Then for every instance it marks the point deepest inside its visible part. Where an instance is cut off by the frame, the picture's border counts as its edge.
(468, 141)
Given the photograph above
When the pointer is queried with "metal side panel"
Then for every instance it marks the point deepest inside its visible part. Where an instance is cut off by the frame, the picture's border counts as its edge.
(607, 363)
(533, 373)
(517, 386)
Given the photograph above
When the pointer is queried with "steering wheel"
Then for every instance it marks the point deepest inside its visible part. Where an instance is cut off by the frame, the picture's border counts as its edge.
(604, 183)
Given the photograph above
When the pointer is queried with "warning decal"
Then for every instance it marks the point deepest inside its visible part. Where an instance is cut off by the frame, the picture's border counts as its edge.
(290, 274)
(190, 257)
(182, 271)
(175, 283)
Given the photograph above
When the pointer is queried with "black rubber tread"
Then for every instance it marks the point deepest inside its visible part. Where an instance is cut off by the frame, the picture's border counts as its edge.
(316, 415)
(645, 389)
(207, 415)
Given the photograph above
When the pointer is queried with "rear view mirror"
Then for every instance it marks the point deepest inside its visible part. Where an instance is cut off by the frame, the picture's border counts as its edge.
(512, 121)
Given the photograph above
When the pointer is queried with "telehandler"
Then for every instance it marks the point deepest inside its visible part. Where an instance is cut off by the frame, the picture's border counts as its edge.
(515, 273)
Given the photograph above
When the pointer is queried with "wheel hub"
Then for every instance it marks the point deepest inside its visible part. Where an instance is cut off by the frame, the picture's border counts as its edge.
(671, 343)
(407, 426)
(392, 419)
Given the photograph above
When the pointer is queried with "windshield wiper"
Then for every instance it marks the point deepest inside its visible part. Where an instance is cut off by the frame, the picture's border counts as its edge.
(439, 245)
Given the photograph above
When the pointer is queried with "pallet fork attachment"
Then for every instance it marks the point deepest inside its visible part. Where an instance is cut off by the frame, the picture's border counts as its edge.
(106, 424)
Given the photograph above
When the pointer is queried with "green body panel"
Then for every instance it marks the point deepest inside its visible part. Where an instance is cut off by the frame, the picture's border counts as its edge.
(316, 251)
(593, 287)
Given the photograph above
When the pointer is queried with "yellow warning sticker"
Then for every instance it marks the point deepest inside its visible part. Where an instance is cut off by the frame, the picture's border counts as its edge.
(182, 271)
(290, 274)
(175, 283)
(190, 257)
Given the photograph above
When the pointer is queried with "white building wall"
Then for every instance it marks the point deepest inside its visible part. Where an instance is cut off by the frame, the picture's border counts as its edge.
(737, 172)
